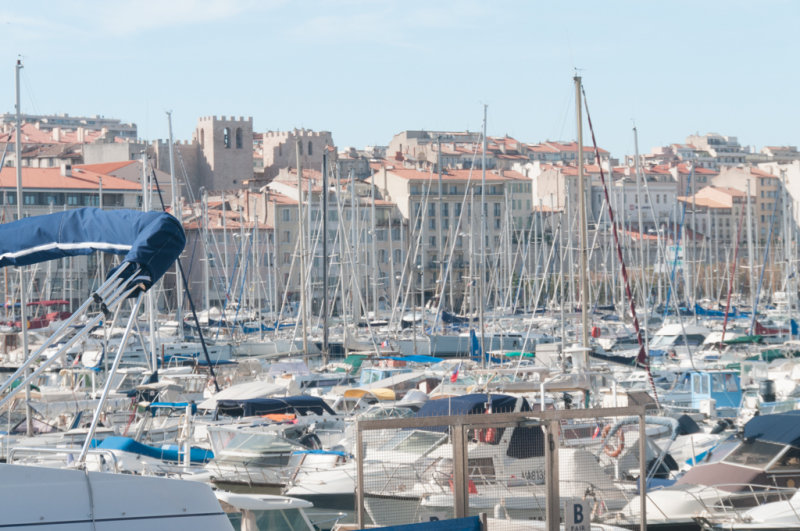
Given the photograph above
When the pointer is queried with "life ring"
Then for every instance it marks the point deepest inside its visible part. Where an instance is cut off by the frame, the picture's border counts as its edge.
(613, 451)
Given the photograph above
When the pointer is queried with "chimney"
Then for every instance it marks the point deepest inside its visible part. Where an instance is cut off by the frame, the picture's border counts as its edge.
(57, 134)
(66, 169)
(80, 135)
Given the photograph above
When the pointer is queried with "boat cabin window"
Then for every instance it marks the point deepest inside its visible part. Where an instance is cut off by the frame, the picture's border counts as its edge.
(699, 384)
(756, 454)
(480, 469)
(724, 383)
(790, 460)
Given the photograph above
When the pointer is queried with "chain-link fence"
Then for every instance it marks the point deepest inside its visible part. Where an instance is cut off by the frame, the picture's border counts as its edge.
(493, 455)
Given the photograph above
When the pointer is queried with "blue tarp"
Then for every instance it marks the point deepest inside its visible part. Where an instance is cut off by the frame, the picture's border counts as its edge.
(153, 240)
(167, 453)
(414, 359)
(782, 428)
(471, 404)
(470, 523)
(299, 405)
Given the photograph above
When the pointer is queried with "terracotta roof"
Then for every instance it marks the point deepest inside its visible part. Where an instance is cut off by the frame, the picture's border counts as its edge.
(51, 179)
(450, 175)
(761, 173)
(30, 134)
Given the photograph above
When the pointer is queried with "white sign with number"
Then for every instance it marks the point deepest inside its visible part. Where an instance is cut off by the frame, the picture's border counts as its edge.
(577, 516)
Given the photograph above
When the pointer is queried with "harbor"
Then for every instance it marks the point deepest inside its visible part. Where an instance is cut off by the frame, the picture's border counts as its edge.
(258, 329)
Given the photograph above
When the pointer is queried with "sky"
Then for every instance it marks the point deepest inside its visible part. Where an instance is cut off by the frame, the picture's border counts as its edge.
(367, 69)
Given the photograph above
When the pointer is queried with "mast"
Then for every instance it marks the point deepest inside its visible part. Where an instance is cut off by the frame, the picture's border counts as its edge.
(151, 311)
(440, 222)
(23, 296)
(206, 289)
(482, 265)
(177, 213)
(325, 257)
(640, 200)
(584, 281)
(302, 247)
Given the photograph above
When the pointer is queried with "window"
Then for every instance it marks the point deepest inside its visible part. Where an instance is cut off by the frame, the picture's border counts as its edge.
(238, 138)
(431, 210)
(286, 258)
(431, 223)
(380, 235)
(29, 199)
(398, 256)
(445, 209)
(382, 256)
(202, 138)
(432, 241)
(309, 148)
(287, 214)
(226, 137)
(497, 209)
(287, 236)
(458, 209)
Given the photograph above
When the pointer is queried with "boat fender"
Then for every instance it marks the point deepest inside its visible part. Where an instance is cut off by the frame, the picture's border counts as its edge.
(613, 451)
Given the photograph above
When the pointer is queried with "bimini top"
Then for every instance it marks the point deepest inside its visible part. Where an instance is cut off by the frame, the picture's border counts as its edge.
(152, 240)
(250, 407)
(782, 428)
(471, 404)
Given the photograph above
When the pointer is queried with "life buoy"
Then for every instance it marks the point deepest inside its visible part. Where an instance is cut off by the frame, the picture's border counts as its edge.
(613, 451)
(490, 435)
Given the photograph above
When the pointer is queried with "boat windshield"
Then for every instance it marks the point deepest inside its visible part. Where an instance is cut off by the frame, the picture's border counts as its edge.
(287, 519)
(416, 442)
(664, 342)
(754, 454)
(256, 443)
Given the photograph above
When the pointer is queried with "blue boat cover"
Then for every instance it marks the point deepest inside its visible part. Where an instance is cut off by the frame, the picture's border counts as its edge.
(168, 453)
(152, 240)
(782, 428)
(299, 405)
(471, 404)
(419, 358)
(470, 523)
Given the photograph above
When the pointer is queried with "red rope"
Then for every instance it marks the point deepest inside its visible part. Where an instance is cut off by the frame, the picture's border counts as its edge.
(641, 359)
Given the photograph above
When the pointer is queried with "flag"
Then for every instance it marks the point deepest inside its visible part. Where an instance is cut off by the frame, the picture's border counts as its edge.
(454, 376)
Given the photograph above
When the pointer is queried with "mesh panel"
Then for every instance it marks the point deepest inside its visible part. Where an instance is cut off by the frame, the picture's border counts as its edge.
(423, 471)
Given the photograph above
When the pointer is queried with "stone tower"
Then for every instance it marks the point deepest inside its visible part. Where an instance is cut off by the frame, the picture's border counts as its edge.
(280, 149)
(225, 151)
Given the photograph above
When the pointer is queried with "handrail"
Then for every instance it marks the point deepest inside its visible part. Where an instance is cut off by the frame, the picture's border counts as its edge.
(61, 451)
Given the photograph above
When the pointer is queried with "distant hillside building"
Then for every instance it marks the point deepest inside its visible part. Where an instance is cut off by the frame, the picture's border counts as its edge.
(49, 122)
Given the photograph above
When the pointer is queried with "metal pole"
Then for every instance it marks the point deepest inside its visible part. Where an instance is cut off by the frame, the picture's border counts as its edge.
(325, 257)
(482, 266)
(582, 221)
(299, 146)
(151, 307)
(23, 285)
(100, 256)
(109, 378)
(176, 211)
